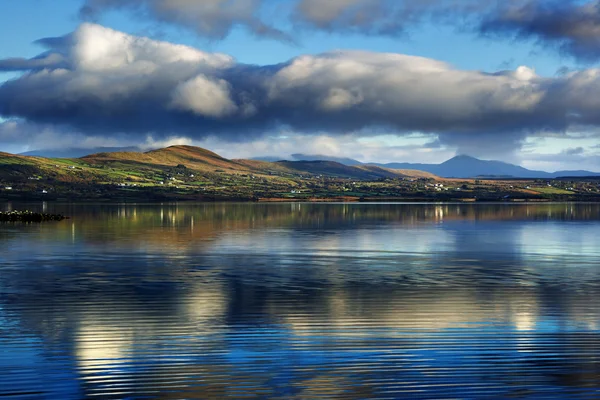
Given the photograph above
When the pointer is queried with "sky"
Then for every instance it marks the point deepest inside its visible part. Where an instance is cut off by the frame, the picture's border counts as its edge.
(374, 80)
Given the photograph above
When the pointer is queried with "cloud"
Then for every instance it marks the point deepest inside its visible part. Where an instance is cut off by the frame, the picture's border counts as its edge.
(573, 151)
(217, 18)
(373, 149)
(567, 155)
(98, 81)
(359, 16)
(210, 18)
(382, 17)
(40, 62)
(204, 96)
(17, 136)
(572, 26)
(568, 159)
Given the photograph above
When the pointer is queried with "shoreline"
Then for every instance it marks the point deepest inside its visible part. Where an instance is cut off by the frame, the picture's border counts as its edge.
(342, 199)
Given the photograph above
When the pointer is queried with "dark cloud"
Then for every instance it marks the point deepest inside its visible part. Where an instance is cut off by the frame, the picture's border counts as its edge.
(382, 17)
(572, 26)
(489, 144)
(573, 151)
(217, 18)
(211, 18)
(100, 81)
(358, 16)
(40, 62)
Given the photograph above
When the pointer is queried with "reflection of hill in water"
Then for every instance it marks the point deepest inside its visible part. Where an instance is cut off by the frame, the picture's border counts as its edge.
(191, 226)
(219, 300)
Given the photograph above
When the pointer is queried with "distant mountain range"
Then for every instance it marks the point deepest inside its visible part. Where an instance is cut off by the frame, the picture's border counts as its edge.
(316, 157)
(461, 166)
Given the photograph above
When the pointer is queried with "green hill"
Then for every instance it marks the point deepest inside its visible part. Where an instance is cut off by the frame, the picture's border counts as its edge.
(182, 172)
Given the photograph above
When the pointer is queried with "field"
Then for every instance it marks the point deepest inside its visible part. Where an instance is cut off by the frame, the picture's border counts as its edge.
(551, 190)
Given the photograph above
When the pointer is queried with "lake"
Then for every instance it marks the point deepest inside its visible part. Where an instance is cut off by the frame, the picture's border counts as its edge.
(301, 301)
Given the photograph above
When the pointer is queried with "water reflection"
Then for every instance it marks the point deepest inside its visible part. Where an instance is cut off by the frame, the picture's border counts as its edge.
(302, 301)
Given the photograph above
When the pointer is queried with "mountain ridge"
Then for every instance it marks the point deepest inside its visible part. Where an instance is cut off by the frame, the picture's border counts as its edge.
(194, 158)
(77, 152)
(194, 173)
(463, 166)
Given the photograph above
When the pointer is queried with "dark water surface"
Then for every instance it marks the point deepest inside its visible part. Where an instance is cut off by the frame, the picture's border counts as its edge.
(302, 301)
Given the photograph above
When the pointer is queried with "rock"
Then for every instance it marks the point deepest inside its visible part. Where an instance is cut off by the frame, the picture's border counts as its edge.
(29, 216)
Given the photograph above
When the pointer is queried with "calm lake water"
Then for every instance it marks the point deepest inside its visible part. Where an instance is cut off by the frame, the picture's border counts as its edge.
(301, 301)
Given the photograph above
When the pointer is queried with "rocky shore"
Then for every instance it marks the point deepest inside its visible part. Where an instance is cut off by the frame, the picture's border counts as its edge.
(29, 216)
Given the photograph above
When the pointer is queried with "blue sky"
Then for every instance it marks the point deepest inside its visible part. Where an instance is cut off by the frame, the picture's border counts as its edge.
(480, 53)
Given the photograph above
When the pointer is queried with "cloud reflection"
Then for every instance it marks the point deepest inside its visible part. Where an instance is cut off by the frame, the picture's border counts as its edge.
(328, 299)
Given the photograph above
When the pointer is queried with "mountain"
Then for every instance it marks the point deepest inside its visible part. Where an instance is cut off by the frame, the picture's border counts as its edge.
(461, 166)
(160, 161)
(336, 169)
(268, 158)
(575, 173)
(192, 157)
(311, 157)
(76, 152)
(464, 166)
(317, 157)
(187, 172)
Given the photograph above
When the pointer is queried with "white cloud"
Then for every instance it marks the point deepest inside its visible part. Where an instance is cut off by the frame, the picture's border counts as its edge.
(338, 99)
(204, 96)
(372, 149)
(96, 48)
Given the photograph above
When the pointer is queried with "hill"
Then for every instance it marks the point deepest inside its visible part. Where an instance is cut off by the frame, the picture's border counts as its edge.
(336, 169)
(161, 164)
(76, 152)
(203, 160)
(192, 157)
(193, 173)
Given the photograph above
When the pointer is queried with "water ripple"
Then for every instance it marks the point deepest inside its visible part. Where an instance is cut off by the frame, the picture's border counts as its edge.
(294, 311)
